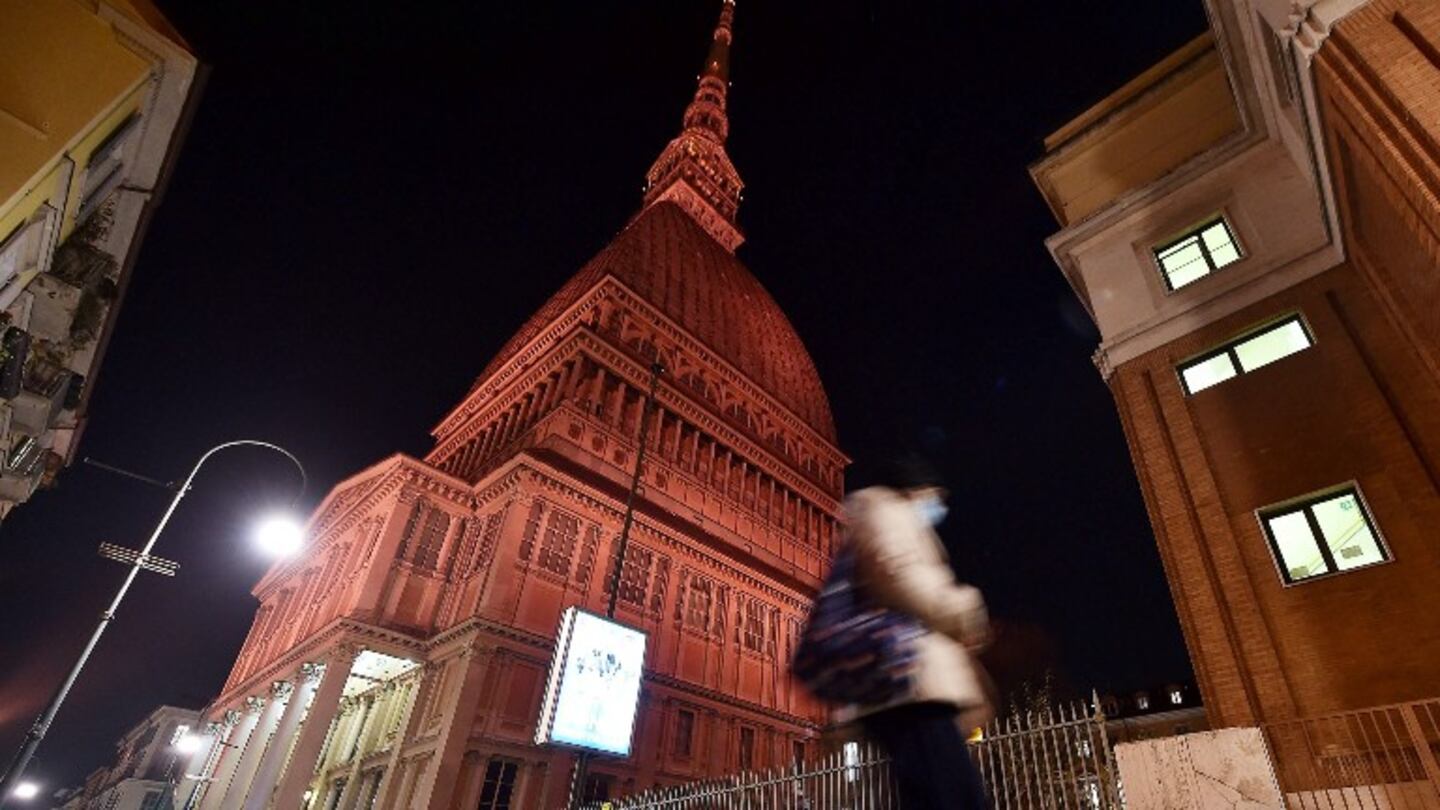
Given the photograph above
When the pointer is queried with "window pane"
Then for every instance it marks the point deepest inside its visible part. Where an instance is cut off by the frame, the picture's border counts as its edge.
(1184, 263)
(1271, 345)
(1210, 372)
(1347, 532)
(1221, 246)
(1299, 551)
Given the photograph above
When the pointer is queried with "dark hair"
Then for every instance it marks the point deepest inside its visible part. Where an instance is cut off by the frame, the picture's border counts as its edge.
(909, 471)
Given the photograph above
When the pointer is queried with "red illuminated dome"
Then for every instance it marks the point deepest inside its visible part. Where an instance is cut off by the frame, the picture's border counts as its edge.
(668, 259)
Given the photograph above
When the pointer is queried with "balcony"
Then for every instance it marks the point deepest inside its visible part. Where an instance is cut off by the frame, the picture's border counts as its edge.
(43, 394)
(22, 470)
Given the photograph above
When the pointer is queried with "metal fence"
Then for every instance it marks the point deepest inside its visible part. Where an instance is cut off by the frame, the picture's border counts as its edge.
(1373, 759)
(1053, 759)
(1057, 759)
(855, 778)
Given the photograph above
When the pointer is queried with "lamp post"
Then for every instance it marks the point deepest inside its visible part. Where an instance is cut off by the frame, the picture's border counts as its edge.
(275, 537)
(657, 368)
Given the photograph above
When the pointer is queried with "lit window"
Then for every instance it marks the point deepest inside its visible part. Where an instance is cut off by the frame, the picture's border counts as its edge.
(1321, 535)
(852, 761)
(1245, 353)
(1177, 697)
(1142, 702)
(1197, 253)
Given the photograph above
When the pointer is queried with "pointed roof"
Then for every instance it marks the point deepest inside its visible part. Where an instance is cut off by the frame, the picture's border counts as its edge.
(669, 260)
(678, 253)
(693, 170)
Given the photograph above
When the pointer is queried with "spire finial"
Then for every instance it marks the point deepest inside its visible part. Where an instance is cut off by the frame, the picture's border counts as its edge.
(694, 170)
(706, 112)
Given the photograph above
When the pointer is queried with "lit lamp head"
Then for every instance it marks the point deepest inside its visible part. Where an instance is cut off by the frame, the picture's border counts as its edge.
(25, 791)
(189, 743)
(279, 535)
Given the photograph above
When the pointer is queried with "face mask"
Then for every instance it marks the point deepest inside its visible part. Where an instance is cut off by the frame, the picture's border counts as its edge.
(932, 510)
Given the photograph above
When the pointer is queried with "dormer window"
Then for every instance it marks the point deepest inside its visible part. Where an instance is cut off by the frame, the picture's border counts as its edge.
(1197, 253)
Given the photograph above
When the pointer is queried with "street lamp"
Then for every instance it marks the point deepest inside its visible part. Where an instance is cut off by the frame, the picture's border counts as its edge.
(280, 536)
(189, 743)
(273, 535)
(25, 791)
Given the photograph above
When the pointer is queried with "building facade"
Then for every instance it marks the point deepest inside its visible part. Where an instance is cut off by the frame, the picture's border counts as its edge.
(1253, 226)
(93, 101)
(400, 662)
(147, 762)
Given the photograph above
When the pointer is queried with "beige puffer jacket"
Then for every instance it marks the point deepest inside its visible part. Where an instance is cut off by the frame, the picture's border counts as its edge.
(902, 563)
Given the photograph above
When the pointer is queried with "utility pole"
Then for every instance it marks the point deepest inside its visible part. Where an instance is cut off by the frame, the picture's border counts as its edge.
(582, 759)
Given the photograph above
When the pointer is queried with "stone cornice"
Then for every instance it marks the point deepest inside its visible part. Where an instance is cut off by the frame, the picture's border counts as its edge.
(338, 633)
(352, 500)
(672, 397)
(691, 201)
(731, 375)
(591, 500)
(671, 682)
(587, 342)
(611, 287)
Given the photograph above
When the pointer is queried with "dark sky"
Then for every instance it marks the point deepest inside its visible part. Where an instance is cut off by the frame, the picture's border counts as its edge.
(375, 196)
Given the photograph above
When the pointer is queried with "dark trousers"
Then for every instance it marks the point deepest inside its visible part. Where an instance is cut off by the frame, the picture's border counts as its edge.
(929, 759)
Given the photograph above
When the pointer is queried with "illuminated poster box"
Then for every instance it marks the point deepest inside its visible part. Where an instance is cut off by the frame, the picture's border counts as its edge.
(593, 690)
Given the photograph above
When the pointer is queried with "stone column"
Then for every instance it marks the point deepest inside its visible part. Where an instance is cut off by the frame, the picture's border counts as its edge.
(205, 763)
(249, 758)
(388, 791)
(262, 785)
(321, 714)
(244, 726)
(438, 782)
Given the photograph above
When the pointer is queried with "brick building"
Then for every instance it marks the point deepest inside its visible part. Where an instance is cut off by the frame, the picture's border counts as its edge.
(400, 661)
(1253, 226)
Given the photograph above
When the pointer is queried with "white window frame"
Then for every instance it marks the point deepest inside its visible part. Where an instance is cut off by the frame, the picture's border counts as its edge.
(1303, 502)
(1195, 231)
(1229, 346)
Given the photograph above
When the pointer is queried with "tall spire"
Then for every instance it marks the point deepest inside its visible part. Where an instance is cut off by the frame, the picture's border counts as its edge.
(693, 170)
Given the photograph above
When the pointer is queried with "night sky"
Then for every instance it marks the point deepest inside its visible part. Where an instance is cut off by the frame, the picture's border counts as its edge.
(374, 197)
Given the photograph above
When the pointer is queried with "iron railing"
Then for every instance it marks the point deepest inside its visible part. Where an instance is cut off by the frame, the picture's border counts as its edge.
(1373, 759)
(857, 778)
(1051, 759)
(1054, 759)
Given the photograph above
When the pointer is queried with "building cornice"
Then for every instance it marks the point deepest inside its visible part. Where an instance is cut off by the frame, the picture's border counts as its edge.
(512, 375)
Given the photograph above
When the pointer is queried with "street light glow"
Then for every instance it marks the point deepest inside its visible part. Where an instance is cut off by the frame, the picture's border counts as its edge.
(189, 743)
(26, 791)
(279, 536)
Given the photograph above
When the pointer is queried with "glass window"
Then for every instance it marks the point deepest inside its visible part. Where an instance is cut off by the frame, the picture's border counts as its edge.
(499, 784)
(1281, 340)
(1197, 253)
(1206, 373)
(1326, 534)
(557, 547)
(684, 732)
(1244, 353)
(747, 748)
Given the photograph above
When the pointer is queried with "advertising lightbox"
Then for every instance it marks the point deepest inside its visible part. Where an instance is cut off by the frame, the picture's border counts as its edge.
(593, 690)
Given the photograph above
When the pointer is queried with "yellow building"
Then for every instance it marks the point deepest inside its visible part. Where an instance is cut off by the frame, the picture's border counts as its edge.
(93, 97)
